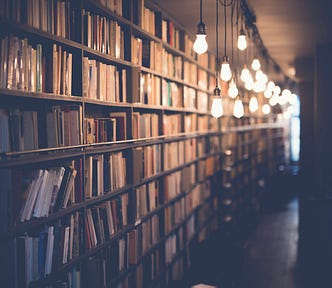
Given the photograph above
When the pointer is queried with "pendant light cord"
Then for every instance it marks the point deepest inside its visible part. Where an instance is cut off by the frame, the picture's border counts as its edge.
(217, 50)
(200, 11)
(225, 29)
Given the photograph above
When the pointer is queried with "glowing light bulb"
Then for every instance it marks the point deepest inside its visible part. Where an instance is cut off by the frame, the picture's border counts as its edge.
(255, 65)
(216, 108)
(225, 73)
(270, 85)
(274, 100)
(253, 104)
(232, 89)
(238, 110)
(249, 85)
(276, 90)
(266, 109)
(200, 44)
(245, 74)
(241, 41)
(267, 93)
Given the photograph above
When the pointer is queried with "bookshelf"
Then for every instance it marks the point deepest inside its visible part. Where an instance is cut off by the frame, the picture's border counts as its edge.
(111, 166)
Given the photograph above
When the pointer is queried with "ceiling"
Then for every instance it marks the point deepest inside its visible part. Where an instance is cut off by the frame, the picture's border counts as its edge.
(289, 29)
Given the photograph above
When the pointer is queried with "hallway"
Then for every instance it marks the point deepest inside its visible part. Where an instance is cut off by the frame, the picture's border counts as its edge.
(267, 259)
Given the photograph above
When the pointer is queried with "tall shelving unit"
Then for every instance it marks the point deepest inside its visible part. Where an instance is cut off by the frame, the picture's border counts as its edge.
(114, 168)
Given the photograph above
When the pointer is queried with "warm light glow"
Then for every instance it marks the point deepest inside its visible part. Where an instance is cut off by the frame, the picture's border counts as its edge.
(216, 108)
(270, 85)
(238, 110)
(274, 100)
(286, 115)
(259, 86)
(276, 90)
(253, 104)
(255, 65)
(266, 109)
(225, 73)
(241, 41)
(245, 74)
(267, 93)
(258, 75)
(249, 85)
(200, 44)
(232, 89)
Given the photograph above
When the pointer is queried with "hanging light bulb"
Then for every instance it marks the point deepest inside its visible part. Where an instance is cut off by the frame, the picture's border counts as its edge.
(216, 108)
(241, 41)
(276, 90)
(245, 74)
(267, 93)
(225, 73)
(266, 109)
(271, 85)
(255, 65)
(232, 89)
(292, 99)
(238, 110)
(200, 44)
(249, 84)
(253, 104)
(274, 100)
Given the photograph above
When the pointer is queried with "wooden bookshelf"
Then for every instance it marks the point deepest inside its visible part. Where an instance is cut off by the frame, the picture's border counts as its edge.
(121, 103)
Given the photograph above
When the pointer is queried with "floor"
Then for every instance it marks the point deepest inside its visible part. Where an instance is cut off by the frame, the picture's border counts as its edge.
(270, 256)
(266, 259)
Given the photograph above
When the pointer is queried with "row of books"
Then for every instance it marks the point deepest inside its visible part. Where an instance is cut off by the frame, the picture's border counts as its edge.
(203, 123)
(171, 64)
(170, 34)
(52, 16)
(104, 82)
(146, 18)
(190, 72)
(115, 6)
(103, 34)
(104, 173)
(172, 124)
(106, 219)
(147, 198)
(40, 254)
(147, 161)
(189, 98)
(174, 154)
(203, 102)
(174, 214)
(145, 125)
(28, 68)
(150, 89)
(143, 237)
(49, 190)
(19, 130)
(64, 126)
(146, 53)
(190, 122)
(172, 94)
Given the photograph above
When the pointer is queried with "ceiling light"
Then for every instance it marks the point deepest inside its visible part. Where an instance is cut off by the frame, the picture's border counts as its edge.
(255, 65)
(225, 72)
(266, 109)
(232, 89)
(200, 44)
(238, 110)
(241, 41)
(216, 107)
(253, 104)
